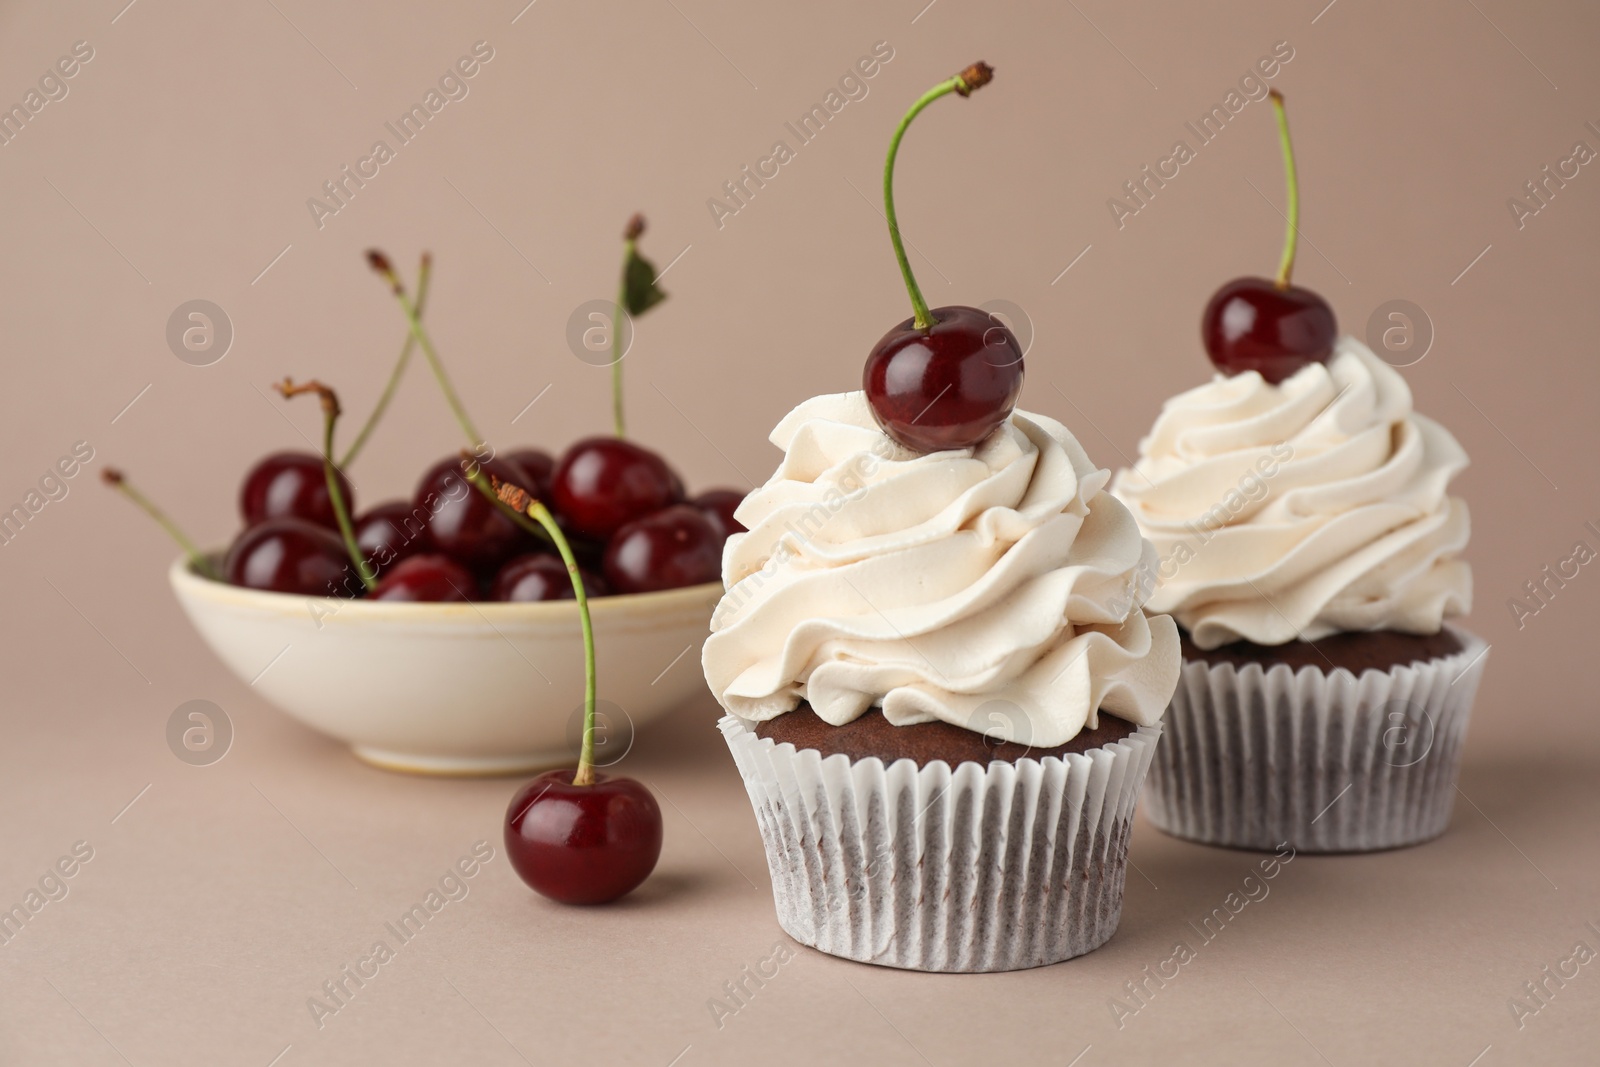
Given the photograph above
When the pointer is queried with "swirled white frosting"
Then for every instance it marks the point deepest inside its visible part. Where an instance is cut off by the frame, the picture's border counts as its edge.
(1303, 509)
(996, 588)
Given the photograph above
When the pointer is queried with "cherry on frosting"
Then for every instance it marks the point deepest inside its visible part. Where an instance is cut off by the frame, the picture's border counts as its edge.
(945, 378)
(1270, 327)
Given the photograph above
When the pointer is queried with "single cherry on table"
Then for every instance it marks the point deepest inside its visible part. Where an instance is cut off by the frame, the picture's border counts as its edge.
(577, 836)
(945, 378)
(1270, 327)
(583, 844)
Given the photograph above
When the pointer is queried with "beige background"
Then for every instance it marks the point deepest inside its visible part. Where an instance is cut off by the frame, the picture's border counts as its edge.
(178, 167)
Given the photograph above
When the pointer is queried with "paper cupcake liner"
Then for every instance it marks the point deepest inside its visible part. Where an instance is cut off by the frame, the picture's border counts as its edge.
(1327, 762)
(932, 869)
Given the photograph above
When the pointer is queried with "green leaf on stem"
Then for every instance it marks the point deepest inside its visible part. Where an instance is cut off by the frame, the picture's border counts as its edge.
(639, 290)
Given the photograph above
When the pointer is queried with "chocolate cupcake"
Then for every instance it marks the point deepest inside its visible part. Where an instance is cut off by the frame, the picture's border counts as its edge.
(943, 694)
(1311, 554)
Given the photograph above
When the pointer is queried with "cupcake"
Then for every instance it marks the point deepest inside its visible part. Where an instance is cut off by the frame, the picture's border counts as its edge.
(941, 689)
(942, 692)
(1311, 554)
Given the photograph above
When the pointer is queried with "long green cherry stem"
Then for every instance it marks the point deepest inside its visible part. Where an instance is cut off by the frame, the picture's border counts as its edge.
(637, 292)
(197, 559)
(630, 239)
(341, 509)
(974, 77)
(619, 424)
(521, 499)
(381, 264)
(1286, 264)
(424, 275)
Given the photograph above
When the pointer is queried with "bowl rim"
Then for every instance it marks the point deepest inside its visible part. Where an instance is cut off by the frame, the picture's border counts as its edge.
(185, 581)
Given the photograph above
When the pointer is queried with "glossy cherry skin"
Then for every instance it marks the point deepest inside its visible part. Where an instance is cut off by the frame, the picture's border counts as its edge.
(541, 576)
(1251, 324)
(464, 524)
(948, 386)
(603, 483)
(583, 844)
(389, 533)
(290, 485)
(538, 465)
(427, 579)
(673, 548)
(719, 506)
(291, 556)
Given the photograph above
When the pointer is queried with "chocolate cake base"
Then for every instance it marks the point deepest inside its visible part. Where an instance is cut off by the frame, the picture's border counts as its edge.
(1379, 650)
(873, 735)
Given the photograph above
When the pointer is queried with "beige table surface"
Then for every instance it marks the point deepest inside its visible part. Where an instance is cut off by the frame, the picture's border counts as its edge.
(178, 165)
(220, 902)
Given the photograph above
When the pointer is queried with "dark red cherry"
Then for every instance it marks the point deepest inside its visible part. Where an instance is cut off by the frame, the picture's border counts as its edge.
(1252, 324)
(427, 579)
(290, 485)
(391, 532)
(540, 576)
(673, 548)
(719, 505)
(603, 483)
(948, 386)
(583, 844)
(289, 555)
(463, 523)
(538, 466)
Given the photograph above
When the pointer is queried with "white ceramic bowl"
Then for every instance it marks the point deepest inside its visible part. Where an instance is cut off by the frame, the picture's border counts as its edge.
(483, 688)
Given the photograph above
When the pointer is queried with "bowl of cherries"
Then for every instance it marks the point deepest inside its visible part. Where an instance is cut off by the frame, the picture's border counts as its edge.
(440, 633)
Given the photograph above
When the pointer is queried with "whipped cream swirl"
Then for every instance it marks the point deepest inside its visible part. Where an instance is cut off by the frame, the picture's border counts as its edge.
(997, 588)
(1303, 509)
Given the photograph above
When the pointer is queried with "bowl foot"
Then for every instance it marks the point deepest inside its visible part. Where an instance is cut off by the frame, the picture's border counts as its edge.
(464, 766)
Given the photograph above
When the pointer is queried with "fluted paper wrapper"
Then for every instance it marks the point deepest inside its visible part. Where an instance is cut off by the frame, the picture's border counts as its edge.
(974, 869)
(1325, 761)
